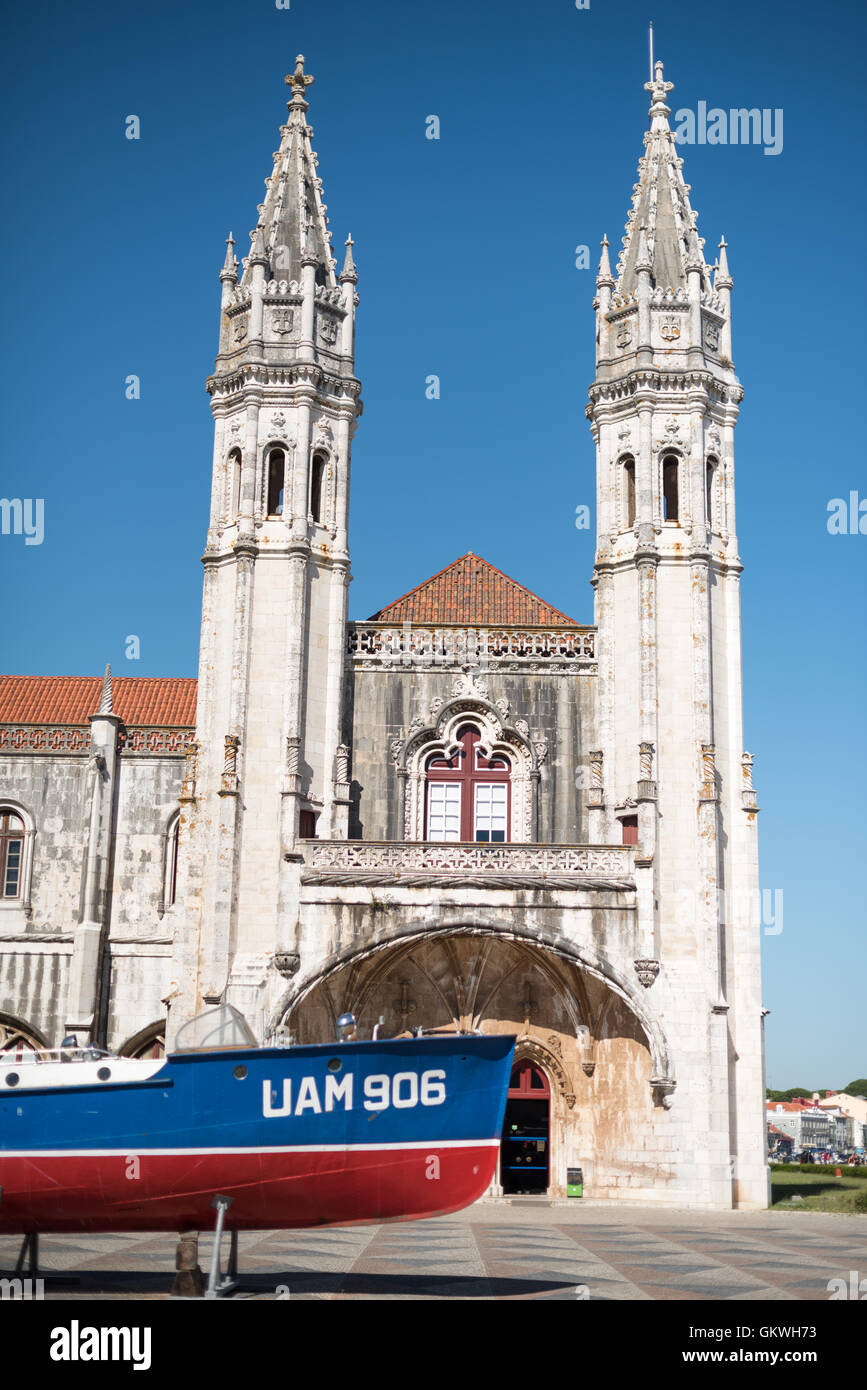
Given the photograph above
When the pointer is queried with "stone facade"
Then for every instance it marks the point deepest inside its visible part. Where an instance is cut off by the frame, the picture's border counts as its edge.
(277, 854)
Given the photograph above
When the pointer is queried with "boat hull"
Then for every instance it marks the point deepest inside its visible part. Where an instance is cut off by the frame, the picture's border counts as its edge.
(400, 1129)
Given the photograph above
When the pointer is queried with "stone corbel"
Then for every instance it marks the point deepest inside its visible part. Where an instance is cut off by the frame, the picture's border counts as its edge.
(188, 786)
(229, 779)
(748, 791)
(646, 781)
(286, 963)
(662, 1088)
(647, 971)
(708, 790)
(596, 793)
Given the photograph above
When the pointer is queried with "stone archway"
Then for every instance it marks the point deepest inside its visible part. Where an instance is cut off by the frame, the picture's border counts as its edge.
(582, 1033)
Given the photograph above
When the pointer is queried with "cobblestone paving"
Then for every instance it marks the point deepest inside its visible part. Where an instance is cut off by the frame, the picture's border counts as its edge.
(494, 1250)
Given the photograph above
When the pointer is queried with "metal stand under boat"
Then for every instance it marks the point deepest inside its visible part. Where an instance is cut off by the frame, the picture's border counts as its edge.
(220, 1284)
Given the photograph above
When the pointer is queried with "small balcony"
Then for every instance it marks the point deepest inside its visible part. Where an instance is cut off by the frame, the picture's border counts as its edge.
(428, 864)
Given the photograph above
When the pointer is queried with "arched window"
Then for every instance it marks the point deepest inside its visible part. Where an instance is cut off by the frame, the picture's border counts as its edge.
(11, 853)
(629, 491)
(467, 794)
(150, 1042)
(276, 474)
(710, 475)
(17, 1039)
(317, 487)
(172, 861)
(670, 488)
(234, 469)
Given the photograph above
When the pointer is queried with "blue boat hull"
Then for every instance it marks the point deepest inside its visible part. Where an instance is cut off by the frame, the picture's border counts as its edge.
(298, 1136)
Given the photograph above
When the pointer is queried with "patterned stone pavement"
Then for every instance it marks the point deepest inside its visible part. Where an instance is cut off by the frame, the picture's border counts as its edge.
(494, 1250)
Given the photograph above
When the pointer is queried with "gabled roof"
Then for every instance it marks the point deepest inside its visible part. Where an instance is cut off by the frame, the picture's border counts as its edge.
(162, 701)
(471, 591)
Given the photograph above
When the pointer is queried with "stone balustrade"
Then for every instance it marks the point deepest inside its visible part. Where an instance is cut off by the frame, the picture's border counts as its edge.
(427, 864)
(375, 645)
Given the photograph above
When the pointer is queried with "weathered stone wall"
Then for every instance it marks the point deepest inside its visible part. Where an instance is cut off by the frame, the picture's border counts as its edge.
(381, 705)
(36, 943)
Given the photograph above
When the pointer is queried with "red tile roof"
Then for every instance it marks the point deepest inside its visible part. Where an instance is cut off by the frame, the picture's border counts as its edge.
(474, 592)
(164, 701)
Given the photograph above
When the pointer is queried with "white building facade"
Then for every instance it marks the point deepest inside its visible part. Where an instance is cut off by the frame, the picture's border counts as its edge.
(469, 812)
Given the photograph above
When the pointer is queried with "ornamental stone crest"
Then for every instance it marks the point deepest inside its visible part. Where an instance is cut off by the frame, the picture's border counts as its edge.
(711, 335)
(328, 329)
(670, 328)
(239, 328)
(624, 336)
(283, 320)
(322, 432)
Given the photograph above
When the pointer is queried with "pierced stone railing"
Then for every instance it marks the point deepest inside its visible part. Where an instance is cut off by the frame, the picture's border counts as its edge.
(394, 645)
(75, 738)
(424, 864)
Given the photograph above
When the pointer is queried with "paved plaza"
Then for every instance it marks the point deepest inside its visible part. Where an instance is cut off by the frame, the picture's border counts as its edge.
(523, 1248)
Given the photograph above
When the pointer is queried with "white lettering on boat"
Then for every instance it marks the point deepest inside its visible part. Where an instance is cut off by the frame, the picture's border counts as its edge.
(404, 1090)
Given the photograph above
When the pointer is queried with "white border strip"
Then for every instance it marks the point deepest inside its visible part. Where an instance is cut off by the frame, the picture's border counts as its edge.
(259, 1149)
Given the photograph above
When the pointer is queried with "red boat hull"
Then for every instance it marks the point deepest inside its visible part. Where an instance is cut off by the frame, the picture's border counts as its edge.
(173, 1191)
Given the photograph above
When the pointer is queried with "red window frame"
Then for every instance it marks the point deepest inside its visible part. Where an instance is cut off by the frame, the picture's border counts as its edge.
(521, 1087)
(470, 768)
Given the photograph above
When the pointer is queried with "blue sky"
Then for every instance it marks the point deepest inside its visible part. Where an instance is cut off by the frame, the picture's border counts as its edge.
(466, 255)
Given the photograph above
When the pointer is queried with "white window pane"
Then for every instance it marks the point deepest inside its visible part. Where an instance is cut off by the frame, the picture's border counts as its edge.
(444, 811)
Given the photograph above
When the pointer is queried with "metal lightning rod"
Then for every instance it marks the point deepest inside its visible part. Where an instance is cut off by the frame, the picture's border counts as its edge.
(651, 50)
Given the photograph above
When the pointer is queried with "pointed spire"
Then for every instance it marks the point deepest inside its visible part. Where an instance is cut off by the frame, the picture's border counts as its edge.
(722, 280)
(258, 254)
(230, 265)
(105, 705)
(293, 219)
(603, 275)
(660, 229)
(349, 272)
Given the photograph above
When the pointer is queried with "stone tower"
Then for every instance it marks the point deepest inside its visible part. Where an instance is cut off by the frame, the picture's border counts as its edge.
(670, 765)
(268, 764)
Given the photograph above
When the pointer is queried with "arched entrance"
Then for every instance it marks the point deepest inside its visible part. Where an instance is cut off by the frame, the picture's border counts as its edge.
(525, 1147)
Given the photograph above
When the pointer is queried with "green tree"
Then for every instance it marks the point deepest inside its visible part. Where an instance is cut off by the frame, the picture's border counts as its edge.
(857, 1088)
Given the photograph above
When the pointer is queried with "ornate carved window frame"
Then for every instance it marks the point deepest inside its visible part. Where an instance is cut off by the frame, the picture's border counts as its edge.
(497, 738)
(20, 904)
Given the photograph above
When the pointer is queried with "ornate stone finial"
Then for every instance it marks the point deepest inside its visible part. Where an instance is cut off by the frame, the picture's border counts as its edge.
(230, 265)
(722, 280)
(658, 88)
(603, 275)
(349, 271)
(298, 80)
(105, 705)
(258, 254)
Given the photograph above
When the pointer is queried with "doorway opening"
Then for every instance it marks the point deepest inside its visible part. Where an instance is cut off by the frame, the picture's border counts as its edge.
(525, 1144)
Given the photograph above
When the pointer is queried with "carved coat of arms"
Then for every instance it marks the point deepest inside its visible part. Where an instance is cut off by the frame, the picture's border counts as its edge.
(670, 328)
(282, 320)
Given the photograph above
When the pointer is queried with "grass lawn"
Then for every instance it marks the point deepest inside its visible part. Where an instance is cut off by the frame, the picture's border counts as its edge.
(820, 1192)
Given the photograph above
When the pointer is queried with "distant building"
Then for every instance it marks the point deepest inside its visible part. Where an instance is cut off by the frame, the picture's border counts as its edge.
(854, 1108)
(809, 1127)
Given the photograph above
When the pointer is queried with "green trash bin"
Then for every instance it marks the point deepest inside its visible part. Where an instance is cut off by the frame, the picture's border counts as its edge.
(574, 1182)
